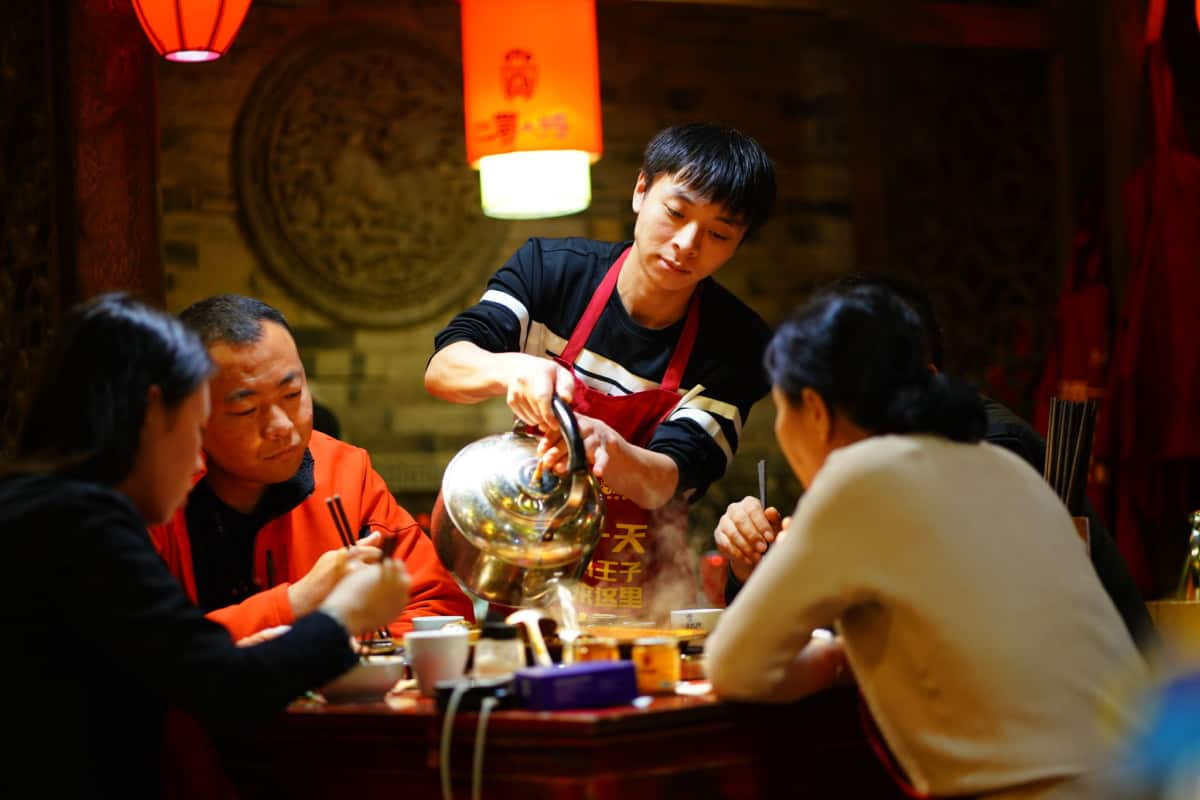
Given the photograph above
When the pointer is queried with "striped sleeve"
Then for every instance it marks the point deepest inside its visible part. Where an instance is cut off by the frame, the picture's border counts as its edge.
(701, 437)
(499, 322)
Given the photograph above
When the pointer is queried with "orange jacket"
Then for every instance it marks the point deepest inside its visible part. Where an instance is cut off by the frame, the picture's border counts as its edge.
(298, 538)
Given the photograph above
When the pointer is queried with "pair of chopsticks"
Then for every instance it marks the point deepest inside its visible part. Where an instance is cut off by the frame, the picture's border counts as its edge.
(342, 523)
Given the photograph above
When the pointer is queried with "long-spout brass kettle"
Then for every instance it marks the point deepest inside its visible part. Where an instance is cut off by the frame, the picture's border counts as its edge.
(507, 529)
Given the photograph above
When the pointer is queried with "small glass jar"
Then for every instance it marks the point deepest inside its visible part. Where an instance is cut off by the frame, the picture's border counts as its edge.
(656, 659)
(691, 667)
(597, 648)
(499, 651)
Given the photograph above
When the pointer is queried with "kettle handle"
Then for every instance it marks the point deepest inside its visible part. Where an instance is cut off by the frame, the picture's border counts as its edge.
(576, 454)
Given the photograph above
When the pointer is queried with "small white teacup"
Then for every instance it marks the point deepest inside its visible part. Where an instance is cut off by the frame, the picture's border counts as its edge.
(438, 655)
(435, 623)
(697, 619)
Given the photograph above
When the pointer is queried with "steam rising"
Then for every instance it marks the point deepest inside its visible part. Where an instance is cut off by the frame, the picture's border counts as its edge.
(674, 582)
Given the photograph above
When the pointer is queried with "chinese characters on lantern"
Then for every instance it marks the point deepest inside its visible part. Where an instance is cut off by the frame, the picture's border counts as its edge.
(509, 129)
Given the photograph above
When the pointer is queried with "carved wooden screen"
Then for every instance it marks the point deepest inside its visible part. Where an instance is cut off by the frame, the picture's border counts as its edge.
(31, 279)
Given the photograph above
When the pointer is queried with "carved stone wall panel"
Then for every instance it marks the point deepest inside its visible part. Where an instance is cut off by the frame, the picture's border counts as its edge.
(348, 172)
(970, 202)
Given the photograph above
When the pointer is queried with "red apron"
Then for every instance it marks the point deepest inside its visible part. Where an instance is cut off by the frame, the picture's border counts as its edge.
(642, 566)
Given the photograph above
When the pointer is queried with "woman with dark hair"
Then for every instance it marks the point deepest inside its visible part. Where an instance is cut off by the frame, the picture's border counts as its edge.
(978, 633)
(99, 635)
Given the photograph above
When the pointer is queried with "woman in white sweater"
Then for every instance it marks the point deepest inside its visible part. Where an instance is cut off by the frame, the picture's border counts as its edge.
(966, 606)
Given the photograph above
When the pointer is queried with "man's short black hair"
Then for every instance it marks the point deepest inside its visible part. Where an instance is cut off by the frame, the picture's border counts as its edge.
(230, 318)
(721, 164)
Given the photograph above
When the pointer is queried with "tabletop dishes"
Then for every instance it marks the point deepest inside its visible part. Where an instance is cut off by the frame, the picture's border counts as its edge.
(369, 679)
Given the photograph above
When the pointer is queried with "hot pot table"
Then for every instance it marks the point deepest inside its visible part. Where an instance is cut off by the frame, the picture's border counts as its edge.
(678, 746)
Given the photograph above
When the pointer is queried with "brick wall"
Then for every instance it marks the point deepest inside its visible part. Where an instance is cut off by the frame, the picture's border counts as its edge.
(776, 75)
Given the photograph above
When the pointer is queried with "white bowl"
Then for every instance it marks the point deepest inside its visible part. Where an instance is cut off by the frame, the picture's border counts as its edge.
(435, 623)
(699, 619)
(369, 679)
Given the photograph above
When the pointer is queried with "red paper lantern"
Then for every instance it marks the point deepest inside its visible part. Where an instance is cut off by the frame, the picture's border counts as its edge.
(531, 85)
(191, 30)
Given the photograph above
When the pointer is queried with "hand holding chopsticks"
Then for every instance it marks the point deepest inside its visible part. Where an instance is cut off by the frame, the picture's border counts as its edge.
(340, 521)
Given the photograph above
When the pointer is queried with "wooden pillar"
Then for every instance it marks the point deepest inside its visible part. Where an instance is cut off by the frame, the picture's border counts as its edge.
(112, 124)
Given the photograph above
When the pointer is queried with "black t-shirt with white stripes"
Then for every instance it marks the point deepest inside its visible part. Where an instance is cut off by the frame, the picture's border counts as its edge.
(534, 301)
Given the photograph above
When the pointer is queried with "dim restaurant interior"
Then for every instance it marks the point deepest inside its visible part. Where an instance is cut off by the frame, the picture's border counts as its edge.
(407, 242)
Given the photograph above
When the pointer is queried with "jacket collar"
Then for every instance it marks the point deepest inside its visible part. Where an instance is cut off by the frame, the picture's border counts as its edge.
(278, 498)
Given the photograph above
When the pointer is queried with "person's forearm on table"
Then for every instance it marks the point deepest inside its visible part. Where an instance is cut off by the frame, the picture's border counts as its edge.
(759, 664)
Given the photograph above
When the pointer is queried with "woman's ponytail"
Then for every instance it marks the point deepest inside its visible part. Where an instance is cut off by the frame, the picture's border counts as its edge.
(943, 406)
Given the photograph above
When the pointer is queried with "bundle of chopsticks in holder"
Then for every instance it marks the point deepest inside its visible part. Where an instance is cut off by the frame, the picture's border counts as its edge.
(381, 640)
(1069, 450)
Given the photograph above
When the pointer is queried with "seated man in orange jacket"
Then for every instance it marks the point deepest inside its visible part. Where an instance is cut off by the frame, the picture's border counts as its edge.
(255, 545)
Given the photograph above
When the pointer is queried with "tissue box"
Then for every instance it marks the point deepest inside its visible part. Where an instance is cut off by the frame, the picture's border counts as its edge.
(591, 684)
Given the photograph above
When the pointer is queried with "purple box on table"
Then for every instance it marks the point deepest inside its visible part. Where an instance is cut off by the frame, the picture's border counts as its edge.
(591, 684)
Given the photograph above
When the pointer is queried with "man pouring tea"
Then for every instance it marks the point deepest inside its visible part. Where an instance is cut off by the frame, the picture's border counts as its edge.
(660, 363)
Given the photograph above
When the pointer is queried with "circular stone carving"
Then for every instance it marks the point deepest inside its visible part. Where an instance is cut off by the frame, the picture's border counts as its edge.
(352, 180)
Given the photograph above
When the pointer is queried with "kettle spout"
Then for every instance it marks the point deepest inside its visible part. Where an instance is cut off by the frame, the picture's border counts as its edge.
(529, 618)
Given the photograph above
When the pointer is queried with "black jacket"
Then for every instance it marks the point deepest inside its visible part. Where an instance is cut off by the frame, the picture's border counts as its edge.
(99, 637)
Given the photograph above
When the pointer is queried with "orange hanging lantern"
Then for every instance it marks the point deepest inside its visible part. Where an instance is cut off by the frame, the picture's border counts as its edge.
(531, 89)
(191, 30)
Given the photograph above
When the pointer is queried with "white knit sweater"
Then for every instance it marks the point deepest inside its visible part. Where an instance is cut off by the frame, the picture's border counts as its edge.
(978, 632)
